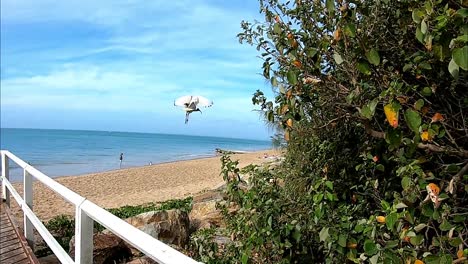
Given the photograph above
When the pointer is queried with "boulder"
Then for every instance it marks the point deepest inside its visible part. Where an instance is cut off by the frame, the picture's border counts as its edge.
(108, 248)
(170, 227)
(142, 260)
(205, 215)
(50, 259)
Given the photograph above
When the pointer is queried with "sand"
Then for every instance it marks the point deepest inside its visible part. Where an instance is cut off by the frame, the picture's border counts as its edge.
(139, 185)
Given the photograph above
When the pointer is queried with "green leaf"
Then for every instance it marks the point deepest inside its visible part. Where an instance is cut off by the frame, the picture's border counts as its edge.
(380, 167)
(445, 226)
(364, 67)
(370, 247)
(438, 52)
(330, 5)
(311, 52)
(292, 78)
(460, 56)
(416, 240)
(297, 235)
(373, 57)
(374, 259)
(419, 35)
(425, 65)
(350, 30)
(426, 91)
(366, 112)
(324, 234)
(393, 137)
(453, 68)
(405, 182)
(337, 58)
(455, 242)
(244, 258)
(463, 12)
(416, 15)
(274, 82)
(419, 227)
(277, 28)
(400, 205)
(423, 27)
(342, 240)
(329, 184)
(391, 220)
(413, 120)
(419, 104)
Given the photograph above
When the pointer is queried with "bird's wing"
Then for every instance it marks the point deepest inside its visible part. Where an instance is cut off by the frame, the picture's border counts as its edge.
(183, 101)
(203, 102)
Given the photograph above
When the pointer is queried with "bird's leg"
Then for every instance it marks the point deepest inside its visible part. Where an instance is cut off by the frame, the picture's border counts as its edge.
(186, 117)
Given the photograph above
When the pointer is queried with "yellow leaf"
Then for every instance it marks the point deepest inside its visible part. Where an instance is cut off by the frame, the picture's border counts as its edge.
(402, 99)
(425, 136)
(337, 34)
(380, 219)
(460, 254)
(418, 261)
(289, 122)
(437, 118)
(286, 136)
(297, 63)
(352, 245)
(392, 115)
(433, 188)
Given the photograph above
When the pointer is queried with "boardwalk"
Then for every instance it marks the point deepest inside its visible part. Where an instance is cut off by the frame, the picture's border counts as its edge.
(13, 247)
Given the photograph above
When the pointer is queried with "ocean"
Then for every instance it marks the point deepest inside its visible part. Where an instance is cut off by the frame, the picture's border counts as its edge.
(74, 152)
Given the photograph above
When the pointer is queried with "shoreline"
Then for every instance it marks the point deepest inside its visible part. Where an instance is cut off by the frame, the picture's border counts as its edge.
(138, 185)
(196, 157)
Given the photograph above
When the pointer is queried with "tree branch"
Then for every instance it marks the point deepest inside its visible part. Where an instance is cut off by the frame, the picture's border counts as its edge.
(433, 148)
(372, 132)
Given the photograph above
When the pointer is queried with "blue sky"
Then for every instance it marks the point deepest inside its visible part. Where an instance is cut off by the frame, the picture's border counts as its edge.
(119, 65)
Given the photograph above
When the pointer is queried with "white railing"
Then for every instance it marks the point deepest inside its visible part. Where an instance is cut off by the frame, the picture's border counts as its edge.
(85, 214)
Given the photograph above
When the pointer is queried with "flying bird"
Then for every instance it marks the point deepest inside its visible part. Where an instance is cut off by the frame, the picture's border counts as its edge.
(191, 103)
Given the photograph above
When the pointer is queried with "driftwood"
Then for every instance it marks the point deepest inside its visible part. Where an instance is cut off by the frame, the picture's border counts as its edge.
(223, 151)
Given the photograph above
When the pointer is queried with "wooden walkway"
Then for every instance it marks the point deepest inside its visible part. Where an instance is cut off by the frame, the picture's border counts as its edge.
(13, 246)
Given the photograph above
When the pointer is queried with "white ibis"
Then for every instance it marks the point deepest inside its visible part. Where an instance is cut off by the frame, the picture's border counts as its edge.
(191, 103)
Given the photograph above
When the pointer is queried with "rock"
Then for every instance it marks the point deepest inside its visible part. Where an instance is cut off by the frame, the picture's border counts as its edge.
(142, 260)
(170, 227)
(108, 248)
(205, 215)
(50, 259)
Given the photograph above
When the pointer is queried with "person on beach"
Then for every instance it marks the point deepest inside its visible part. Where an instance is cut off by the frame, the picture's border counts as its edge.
(121, 158)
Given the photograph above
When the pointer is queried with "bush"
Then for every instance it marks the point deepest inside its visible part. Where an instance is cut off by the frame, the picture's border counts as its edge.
(372, 98)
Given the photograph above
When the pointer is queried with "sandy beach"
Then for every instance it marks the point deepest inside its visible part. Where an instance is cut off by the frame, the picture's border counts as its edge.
(135, 186)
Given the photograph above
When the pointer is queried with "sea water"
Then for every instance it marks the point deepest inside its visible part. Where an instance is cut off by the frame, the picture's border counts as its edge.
(73, 152)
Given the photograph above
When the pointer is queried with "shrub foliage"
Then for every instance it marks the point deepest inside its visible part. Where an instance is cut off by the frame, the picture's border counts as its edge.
(372, 97)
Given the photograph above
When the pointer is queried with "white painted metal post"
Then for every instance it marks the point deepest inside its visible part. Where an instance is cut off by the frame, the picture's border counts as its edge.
(83, 237)
(6, 177)
(28, 201)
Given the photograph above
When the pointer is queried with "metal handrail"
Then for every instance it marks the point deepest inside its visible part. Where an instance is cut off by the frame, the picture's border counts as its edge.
(85, 214)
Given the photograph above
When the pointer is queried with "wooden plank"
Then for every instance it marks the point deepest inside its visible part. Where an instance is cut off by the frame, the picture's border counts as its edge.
(12, 253)
(20, 259)
(4, 244)
(14, 247)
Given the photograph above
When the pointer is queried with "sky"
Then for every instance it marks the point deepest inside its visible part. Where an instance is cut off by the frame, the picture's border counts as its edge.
(118, 66)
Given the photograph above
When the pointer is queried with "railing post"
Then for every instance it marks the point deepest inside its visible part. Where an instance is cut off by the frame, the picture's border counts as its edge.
(83, 237)
(28, 201)
(5, 177)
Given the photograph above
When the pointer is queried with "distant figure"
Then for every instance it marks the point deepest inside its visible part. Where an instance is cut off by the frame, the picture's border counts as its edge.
(121, 158)
(150, 163)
